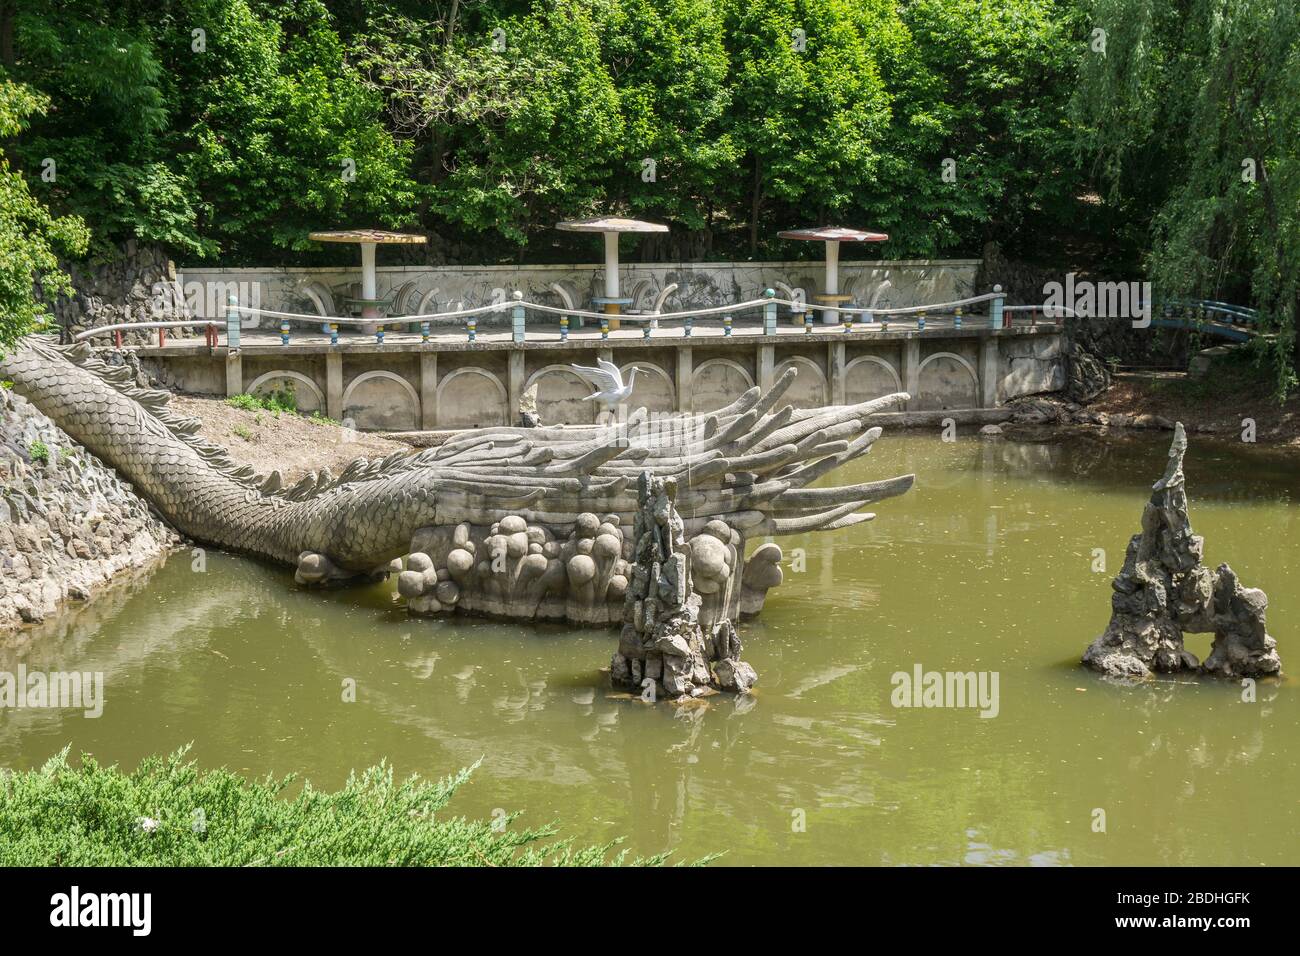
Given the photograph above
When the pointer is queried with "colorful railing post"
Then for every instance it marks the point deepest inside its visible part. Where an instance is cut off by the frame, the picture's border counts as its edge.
(956, 318)
(564, 328)
(424, 332)
(379, 334)
(996, 315)
(232, 322)
(284, 331)
(645, 329)
(334, 333)
(517, 316)
(688, 325)
(471, 327)
(726, 325)
(769, 312)
(807, 320)
(604, 328)
(920, 322)
(848, 322)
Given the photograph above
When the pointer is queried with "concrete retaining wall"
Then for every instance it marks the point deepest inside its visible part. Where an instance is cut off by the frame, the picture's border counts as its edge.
(891, 284)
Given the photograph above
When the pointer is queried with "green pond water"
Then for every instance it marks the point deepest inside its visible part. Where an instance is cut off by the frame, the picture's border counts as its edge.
(987, 565)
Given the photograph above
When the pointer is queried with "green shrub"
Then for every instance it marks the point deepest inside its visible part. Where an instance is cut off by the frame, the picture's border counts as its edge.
(280, 400)
(38, 451)
(168, 813)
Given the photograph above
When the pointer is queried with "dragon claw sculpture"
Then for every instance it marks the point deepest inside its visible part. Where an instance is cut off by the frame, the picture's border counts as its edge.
(519, 522)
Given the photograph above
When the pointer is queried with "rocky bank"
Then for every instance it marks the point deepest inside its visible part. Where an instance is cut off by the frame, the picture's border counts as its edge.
(68, 524)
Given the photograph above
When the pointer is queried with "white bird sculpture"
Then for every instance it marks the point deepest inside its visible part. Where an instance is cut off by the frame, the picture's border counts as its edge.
(608, 382)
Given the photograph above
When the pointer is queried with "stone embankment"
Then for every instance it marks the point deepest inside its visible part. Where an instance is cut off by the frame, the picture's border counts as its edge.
(68, 524)
(1054, 410)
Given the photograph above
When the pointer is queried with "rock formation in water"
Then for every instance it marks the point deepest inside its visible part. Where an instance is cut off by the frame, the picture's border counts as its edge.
(1163, 591)
(674, 638)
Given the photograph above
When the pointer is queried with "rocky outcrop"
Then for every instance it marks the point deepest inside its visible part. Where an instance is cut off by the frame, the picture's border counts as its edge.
(1164, 591)
(134, 286)
(675, 639)
(1050, 410)
(1085, 375)
(68, 524)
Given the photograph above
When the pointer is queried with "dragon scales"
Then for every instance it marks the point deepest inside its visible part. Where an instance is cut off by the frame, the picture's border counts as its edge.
(515, 522)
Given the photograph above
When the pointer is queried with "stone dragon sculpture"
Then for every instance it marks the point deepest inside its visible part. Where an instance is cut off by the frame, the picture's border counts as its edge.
(515, 522)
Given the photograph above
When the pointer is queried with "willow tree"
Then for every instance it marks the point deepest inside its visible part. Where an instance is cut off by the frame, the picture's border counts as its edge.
(1192, 113)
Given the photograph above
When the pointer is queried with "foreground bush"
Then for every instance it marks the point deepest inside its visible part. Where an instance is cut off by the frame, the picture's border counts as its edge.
(168, 813)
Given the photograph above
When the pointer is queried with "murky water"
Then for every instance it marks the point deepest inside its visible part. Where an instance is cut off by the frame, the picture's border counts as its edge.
(987, 565)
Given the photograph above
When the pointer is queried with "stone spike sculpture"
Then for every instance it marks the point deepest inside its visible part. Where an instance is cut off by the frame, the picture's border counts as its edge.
(667, 642)
(1163, 591)
(521, 522)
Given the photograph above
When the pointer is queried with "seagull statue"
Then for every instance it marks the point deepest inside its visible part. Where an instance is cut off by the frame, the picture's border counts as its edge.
(608, 382)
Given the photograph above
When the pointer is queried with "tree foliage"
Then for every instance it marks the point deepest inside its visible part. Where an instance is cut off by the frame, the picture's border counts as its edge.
(1192, 117)
(31, 239)
(221, 128)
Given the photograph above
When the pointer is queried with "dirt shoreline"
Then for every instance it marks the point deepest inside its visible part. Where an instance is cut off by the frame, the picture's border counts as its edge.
(1137, 402)
(294, 444)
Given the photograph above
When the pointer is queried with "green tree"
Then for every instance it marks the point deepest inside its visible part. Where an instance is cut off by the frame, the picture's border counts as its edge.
(31, 239)
(1192, 117)
(809, 106)
(981, 144)
(668, 61)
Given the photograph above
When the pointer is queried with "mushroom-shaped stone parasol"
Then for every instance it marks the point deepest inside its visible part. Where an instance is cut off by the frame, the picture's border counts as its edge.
(368, 238)
(832, 236)
(611, 227)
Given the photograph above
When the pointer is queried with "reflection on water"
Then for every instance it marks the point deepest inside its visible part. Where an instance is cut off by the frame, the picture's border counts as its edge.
(986, 565)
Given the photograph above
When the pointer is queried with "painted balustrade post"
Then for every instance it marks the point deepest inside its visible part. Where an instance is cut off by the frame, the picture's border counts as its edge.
(996, 315)
(726, 325)
(162, 337)
(471, 327)
(284, 331)
(232, 322)
(645, 330)
(807, 321)
(920, 322)
(424, 332)
(688, 325)
(564, 328)
(848, 322)
(517, 316)
(604, 328)
(334, 333)
(956, 318)
(769, 312)
(379, 334)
